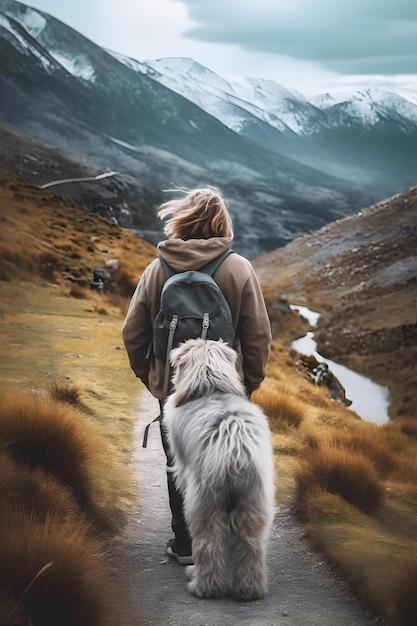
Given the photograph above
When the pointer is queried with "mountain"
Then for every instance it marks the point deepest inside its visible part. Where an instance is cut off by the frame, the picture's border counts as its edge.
(362, 135)
(360, 274)
(80, 109)
(287, 111)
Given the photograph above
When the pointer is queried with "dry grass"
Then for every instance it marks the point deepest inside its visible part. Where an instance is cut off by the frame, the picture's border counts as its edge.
(355, 483)
(66, 392)
(349, 474)
(40, 433)
(352, 483)
(75, 291)
(403, 609)
(51, 572)
(50, 238)
(68, 407)
(283, 409)
(34, 492)
(375, 448)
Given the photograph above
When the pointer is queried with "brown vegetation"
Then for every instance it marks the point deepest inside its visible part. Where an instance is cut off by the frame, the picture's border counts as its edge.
(51, 572)
(352, 483)
(351, 475)
(64, 482)
(52, 564)
(39, 433)
(33, 492)
(49, 238)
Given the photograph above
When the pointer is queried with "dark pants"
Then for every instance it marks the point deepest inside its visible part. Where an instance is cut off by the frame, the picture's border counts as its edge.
(178, 522)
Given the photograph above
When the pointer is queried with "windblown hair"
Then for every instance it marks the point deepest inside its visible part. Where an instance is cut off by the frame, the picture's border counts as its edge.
(204, 367)
(200, 214)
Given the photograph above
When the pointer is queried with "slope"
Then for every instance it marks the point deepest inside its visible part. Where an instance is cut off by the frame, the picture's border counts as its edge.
(360, 274)
(63, 90)
(57, 330)
(54, 328)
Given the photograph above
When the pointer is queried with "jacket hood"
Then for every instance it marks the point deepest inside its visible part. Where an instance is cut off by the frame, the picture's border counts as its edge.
(193, 253)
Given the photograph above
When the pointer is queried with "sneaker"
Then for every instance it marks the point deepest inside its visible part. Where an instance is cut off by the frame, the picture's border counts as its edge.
(182, 556)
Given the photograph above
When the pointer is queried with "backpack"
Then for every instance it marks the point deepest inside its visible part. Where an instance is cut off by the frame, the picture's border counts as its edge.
(191, 306)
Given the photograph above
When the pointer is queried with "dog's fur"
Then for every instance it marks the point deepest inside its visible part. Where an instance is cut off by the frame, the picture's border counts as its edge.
(223, 467)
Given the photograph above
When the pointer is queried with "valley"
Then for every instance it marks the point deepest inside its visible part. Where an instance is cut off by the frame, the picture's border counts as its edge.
(287, 165)
(345, 486)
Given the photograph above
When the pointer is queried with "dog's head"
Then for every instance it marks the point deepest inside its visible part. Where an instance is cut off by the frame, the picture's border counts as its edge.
(202, 367)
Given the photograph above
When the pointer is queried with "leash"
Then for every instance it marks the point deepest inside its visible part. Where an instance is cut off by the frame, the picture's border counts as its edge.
(146, 432)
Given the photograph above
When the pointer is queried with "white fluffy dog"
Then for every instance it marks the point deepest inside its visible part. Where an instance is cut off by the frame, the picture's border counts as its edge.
(223, 467)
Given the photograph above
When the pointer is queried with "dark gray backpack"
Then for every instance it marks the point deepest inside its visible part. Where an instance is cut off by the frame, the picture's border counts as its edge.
(192, 306)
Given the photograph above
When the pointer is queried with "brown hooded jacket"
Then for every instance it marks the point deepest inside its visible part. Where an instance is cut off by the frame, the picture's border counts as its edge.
(239, 284)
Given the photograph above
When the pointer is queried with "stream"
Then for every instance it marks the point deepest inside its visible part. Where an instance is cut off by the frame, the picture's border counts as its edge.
(369, 400)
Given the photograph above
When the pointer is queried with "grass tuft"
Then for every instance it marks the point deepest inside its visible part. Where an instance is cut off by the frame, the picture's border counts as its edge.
(44, 435)
(348, 474)
(66, 392)
(283, 409)
(377, 449)
(78, 292)
(403, 592)
(40, 433)
(34, 491)
(54, 570)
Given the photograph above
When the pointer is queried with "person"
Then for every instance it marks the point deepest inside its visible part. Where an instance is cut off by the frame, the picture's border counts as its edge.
(198, 229)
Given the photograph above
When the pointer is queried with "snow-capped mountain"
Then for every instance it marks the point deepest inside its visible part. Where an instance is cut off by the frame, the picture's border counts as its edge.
(53, 59)
(363, 135)
(368, 107)
(275, 105)
(287, 165)
(231, 100)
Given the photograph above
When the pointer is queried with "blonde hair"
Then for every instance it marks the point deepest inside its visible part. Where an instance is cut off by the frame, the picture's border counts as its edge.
(201, 214)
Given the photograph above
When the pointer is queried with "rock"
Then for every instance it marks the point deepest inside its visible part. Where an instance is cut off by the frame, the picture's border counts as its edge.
(113, 265)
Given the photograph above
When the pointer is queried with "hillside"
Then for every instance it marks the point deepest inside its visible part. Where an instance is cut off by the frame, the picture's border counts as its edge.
(360, 273)
(49, 237)
(63, 90)
(367, 137)
(345, 487)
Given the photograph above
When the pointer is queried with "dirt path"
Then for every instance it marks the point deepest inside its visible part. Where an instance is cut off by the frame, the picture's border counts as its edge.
(302, 589)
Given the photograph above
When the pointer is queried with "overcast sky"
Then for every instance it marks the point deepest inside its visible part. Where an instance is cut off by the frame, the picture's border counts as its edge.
(309, 45)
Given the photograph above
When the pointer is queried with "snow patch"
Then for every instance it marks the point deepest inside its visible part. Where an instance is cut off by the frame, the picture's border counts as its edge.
(77, 66)
(133, 64)
(370, 105)
(235, 100)
(25, 47)
(124, 144)
(33, 21)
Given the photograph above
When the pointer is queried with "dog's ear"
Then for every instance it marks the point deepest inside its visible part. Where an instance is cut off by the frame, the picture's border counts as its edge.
(226, 352)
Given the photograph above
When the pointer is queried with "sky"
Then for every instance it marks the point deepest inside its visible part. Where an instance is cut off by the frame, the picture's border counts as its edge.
(309, 45)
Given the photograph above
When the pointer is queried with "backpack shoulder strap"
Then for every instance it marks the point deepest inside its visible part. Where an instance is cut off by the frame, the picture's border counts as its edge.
(211, 267)
(167, 268)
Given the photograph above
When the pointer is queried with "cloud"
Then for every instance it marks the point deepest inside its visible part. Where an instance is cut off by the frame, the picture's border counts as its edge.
(346, 36)
(137, 28)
